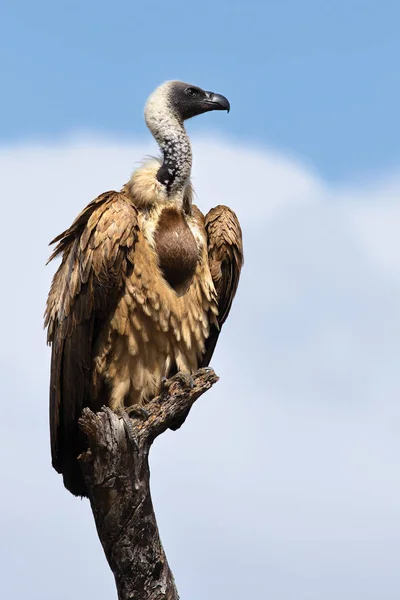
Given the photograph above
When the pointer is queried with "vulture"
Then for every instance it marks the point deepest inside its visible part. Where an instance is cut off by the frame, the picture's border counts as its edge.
(145, 283)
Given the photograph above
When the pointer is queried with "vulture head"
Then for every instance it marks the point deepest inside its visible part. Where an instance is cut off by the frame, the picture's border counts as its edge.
(188, 101)
(181, 101)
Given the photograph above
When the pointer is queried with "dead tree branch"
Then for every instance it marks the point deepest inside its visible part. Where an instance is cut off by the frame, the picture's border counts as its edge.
(116, 471)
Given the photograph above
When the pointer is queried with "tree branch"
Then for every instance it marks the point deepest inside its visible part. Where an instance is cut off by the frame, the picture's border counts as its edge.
(117, 476)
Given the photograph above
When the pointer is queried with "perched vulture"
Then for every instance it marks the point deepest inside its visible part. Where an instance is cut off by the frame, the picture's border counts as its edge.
(144, 286)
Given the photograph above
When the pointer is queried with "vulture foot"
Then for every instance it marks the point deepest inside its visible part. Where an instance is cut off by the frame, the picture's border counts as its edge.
(128, 427)
(183, 377)
(136, 411)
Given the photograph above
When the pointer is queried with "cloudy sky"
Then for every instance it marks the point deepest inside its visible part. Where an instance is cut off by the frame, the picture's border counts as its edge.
(284, 482)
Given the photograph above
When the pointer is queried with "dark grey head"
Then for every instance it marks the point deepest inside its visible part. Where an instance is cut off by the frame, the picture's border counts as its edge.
(182, 101)
(189, 100)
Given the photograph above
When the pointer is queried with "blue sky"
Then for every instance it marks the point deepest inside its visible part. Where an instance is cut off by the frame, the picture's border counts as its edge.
(318, 79)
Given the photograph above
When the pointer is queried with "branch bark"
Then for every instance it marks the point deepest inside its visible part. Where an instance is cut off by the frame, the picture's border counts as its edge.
(117, 476)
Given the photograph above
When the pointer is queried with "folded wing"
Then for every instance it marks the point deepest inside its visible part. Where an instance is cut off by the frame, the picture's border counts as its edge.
(225, 256)
(97, 254)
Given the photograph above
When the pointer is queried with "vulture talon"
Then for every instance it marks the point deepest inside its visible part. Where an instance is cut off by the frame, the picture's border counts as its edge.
(138, 412)
(130, 434)
(190, 381)
(184, 378)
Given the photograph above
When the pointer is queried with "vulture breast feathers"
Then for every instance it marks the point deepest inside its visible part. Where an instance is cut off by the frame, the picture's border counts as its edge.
(144, 285)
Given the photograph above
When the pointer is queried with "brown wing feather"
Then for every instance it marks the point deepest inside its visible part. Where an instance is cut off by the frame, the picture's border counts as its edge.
(225, 256)
(97, 251)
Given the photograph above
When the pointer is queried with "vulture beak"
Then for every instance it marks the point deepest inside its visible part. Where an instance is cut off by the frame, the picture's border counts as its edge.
(217, 102)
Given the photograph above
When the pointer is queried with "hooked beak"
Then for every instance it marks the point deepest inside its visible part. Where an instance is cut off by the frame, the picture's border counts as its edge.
(217, 102)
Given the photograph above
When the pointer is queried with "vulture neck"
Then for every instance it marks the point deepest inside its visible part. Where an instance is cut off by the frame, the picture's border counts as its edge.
(174, 143)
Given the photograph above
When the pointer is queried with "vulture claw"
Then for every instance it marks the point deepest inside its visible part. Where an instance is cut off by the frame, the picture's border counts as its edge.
(137, 411)
(184, 378)
(128, 428)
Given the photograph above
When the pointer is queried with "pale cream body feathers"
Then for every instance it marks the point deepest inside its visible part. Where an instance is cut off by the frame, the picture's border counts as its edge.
(154, 324)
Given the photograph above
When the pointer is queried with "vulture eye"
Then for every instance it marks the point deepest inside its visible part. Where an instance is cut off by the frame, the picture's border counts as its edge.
(191, 92)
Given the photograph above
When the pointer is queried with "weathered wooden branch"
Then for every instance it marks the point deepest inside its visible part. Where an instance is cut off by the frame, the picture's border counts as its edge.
(117, 475)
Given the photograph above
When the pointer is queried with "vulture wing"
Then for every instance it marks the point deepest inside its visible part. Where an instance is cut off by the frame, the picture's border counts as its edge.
(225, 257)
(97, 252)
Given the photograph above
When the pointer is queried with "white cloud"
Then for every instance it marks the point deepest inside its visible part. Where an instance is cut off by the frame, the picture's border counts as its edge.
(377, 228)
(284, 481)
